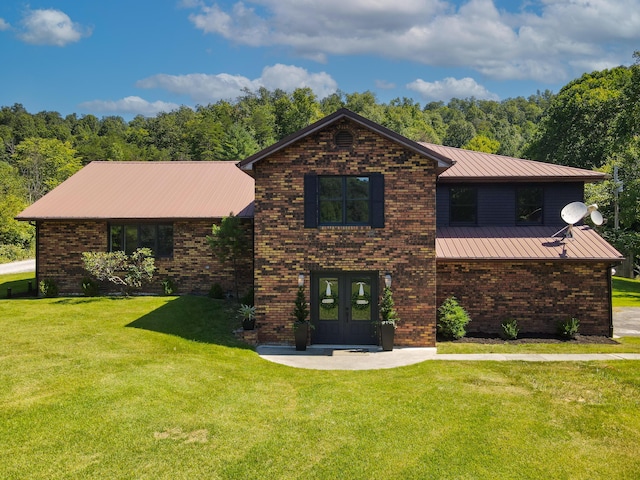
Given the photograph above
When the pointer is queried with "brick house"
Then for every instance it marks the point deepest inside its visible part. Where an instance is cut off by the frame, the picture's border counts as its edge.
(341, 205)
(167, 206)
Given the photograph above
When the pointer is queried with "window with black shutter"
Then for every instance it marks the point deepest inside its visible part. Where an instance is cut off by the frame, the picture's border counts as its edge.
(344, 200)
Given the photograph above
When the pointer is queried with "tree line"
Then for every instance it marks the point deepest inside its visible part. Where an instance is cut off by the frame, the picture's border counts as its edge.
(593, 122)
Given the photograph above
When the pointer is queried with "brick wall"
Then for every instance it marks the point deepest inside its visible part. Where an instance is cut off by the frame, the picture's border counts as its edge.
(537, 294)
(405, 247)
(193, 267)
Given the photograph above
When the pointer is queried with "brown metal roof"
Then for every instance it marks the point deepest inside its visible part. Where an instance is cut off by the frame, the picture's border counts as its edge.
(148, 190)
(522, 243)
(473, 166)
(420, 148)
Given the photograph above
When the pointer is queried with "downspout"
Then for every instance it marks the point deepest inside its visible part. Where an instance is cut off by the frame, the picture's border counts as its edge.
(37, 285)
(609, 299)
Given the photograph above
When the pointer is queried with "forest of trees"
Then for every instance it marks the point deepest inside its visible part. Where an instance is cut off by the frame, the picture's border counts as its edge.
(592, 122)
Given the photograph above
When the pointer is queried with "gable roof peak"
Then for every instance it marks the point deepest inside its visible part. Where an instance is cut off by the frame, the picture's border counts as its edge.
(442, 161)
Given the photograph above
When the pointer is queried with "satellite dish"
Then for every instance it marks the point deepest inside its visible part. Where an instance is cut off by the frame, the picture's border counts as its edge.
(574, 212)
(596, 217)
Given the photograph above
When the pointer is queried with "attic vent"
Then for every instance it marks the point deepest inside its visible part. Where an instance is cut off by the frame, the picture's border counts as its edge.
(344, 139)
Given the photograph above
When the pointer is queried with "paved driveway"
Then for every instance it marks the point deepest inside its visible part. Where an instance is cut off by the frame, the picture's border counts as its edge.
(626, 321)
(18, 267)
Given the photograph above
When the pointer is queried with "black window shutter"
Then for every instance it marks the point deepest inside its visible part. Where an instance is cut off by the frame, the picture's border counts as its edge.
(310, 200)
(377, 200)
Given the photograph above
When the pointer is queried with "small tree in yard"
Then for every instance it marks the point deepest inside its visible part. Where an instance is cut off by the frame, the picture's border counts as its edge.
(229, 243)
(127, 271)
(452, 319)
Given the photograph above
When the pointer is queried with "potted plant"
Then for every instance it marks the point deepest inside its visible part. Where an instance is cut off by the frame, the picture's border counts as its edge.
(247, 314)
(388, 320)
(300, 323)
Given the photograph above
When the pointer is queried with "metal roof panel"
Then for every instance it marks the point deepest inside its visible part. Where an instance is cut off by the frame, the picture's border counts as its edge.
(522, 243)
(148, 190)
(486, 167)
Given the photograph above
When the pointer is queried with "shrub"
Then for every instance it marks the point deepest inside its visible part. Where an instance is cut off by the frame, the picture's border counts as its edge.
(452, 319)
(168, 287)
(48, 288)
(127, 271)
(568, 328)
(89, 287)
(216, 291)
(510, 329)
(247, 298)
(388, 314)
(14, 253)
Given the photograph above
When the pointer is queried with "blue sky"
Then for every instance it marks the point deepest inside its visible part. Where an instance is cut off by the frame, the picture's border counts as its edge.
(129, 57)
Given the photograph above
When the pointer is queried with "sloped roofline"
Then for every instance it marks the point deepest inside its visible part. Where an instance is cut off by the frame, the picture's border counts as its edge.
(478, 167)
(443, 162)
(148, 191)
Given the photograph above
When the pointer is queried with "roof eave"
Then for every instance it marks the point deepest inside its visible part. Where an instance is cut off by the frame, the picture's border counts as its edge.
(530, 259)
(513, 179)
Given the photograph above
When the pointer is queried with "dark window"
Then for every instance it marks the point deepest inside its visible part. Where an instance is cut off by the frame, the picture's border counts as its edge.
(129, 237)
(463, 205)
(344, 200)
(529, 204)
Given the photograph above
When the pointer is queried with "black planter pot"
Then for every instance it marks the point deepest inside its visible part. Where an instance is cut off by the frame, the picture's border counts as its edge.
(301, 331)
(387, 332)
(249, 324)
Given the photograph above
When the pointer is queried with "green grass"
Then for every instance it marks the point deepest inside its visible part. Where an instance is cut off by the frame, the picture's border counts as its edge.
(624, 345)
(626, 292)
(157, 388)
(18, 283)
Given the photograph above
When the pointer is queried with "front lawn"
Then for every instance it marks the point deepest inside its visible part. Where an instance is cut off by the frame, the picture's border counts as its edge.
(18, 283)
(156, 387)
(626, 292)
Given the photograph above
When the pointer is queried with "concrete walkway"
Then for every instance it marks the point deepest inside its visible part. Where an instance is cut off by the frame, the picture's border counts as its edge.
(343, 357)
(626, 323)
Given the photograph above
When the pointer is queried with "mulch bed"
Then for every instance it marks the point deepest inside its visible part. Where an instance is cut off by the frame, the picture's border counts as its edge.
(579, 339)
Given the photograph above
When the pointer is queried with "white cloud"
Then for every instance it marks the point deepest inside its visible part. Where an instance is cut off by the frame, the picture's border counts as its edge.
(50, 27)
(129, 105)
(449, 88)
(206, 88)
(4, 25)
(290, 77)
(547, 40)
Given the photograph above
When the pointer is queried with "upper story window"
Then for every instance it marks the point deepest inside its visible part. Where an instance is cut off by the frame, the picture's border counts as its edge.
(529, 205)
(129, 237)
(344, 200)
(463, 205)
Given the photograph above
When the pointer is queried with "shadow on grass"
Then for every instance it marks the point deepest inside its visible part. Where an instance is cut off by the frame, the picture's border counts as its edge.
(199, 319)
(19, 288)
(80, 300)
